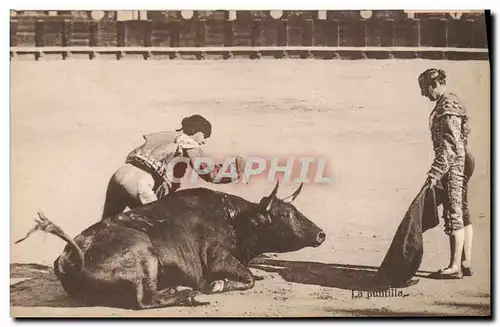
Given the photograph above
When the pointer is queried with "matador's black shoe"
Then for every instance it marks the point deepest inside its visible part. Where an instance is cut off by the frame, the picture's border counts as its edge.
(440, 275)
(467, 271)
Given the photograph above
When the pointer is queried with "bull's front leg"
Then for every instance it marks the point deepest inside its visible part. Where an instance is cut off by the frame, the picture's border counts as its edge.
(228, 274)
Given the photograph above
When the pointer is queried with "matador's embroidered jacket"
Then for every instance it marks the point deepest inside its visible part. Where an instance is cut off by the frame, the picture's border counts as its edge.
(160, 149)
(449, 132)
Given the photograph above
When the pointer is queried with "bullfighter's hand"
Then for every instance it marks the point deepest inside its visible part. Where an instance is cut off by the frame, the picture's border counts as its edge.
(431, 181)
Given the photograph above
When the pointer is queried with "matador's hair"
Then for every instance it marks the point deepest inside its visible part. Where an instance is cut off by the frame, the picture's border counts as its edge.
(194, 124)
(432, 75)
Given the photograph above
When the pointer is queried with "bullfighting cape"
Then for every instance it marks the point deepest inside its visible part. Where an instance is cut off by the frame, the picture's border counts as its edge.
(405, 253)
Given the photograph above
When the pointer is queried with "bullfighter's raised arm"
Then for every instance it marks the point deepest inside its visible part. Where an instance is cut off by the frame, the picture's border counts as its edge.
(199, 161)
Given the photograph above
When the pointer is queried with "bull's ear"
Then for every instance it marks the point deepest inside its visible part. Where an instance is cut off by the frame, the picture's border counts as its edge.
(289, 199)
(261, 220)
(268, 201)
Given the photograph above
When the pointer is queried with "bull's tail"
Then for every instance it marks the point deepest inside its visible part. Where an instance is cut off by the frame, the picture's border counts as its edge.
(45, 225)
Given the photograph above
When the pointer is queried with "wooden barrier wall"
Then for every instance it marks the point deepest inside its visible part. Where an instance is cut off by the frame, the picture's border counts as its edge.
(168, 29)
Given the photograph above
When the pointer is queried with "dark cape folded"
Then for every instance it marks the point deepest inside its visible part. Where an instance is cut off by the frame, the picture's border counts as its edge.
(405, 253)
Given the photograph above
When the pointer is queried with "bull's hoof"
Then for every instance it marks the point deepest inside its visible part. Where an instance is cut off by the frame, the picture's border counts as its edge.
(186, 294)
(168, 291)
(192, 302)
(258, 277)
(187, 298)
(217, 286)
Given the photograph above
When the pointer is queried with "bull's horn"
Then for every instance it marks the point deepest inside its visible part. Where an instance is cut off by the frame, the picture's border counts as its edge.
(275, 191)
(267, 201)
(289, 199)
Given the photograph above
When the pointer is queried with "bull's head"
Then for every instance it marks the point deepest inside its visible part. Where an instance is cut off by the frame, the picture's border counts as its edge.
(277, 226)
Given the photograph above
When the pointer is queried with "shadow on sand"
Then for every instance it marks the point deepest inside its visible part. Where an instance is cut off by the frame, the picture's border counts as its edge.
(34, 285)
(342, 276)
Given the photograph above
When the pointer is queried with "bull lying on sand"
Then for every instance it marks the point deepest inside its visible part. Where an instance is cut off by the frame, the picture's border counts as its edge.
(199, 238)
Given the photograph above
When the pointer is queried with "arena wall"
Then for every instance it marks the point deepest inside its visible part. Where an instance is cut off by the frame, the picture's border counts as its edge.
(253, 34)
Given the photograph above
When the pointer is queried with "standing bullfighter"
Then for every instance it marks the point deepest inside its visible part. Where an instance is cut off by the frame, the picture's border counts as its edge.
(451, 169)
(147, 175)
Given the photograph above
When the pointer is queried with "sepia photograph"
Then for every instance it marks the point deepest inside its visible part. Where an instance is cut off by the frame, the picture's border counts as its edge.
(250, 163)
